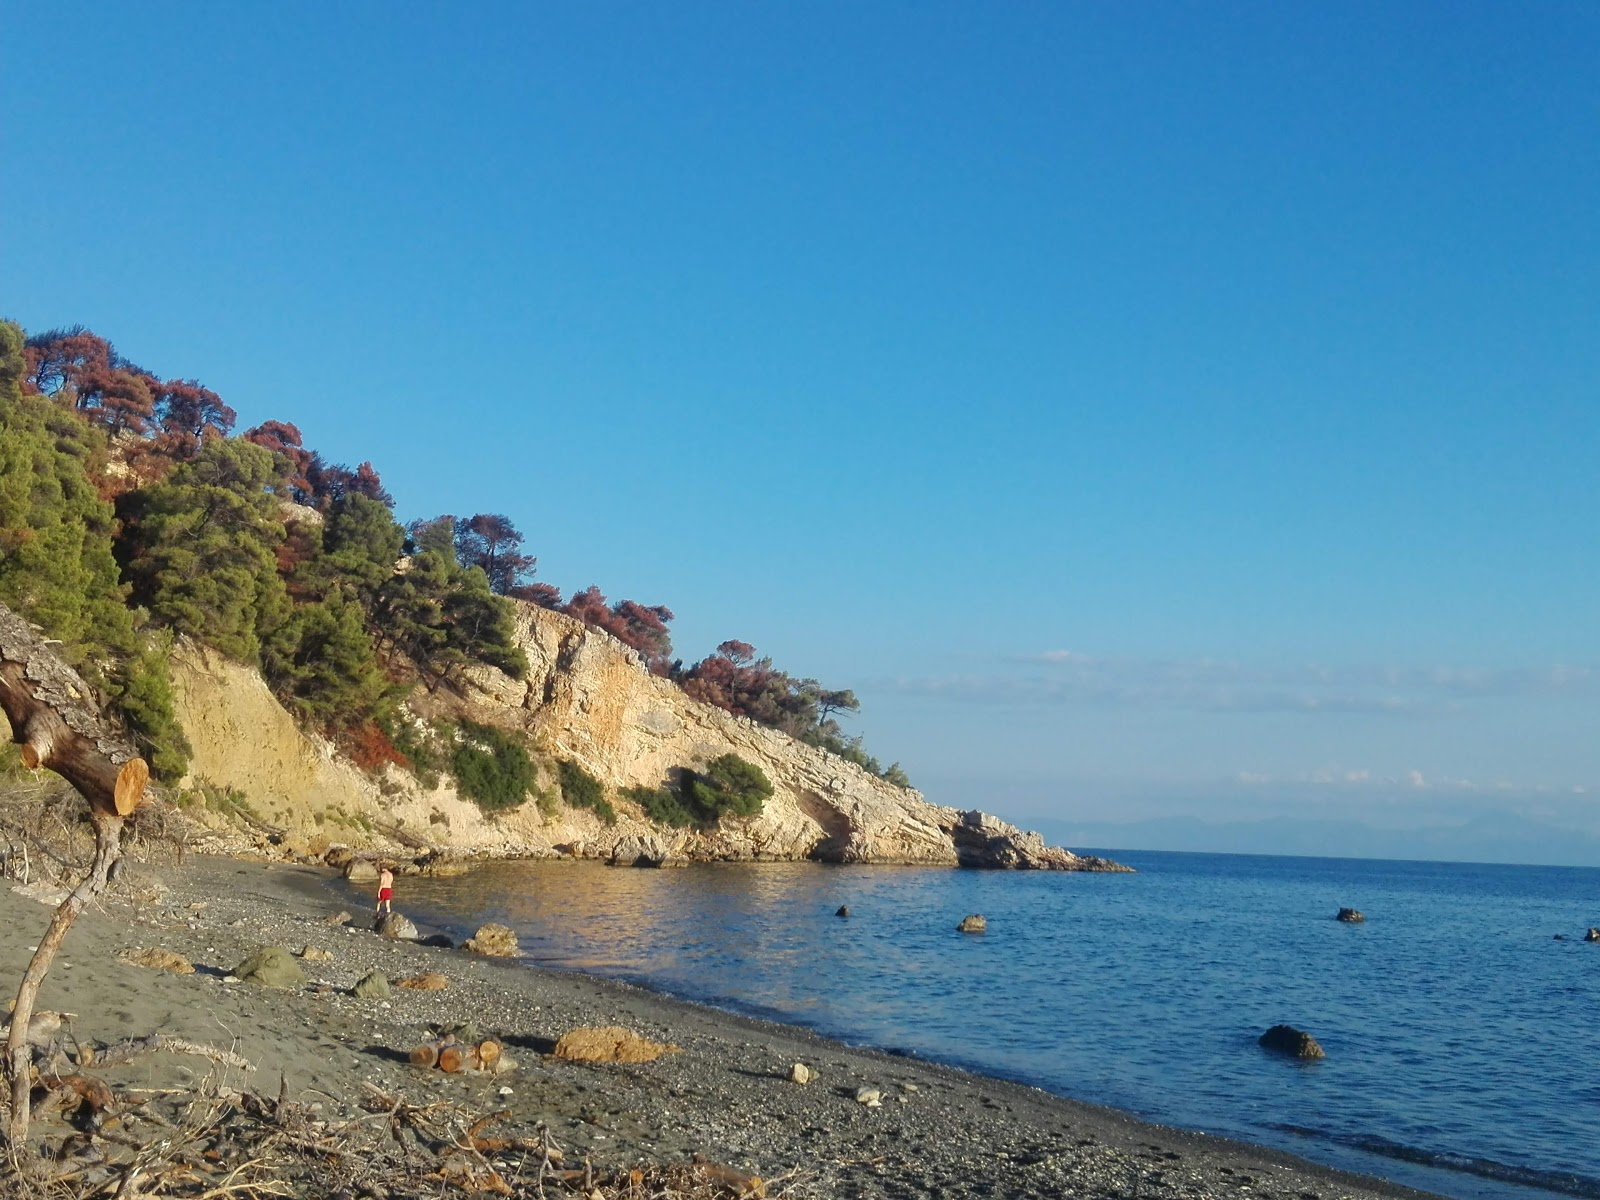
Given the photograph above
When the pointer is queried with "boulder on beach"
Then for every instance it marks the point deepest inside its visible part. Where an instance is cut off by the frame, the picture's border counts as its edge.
(374, 985)
(437, 940)
(1351, 916)
(158, 959)
(494, 941)
(427, 981)
(1286, 1039)
(271, 966)
(394, 925)
(800, 1073)
(316, 954)
(609, 1043)
(973, 923)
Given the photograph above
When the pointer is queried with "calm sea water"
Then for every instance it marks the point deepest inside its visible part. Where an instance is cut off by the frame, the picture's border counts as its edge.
(1460, 1034)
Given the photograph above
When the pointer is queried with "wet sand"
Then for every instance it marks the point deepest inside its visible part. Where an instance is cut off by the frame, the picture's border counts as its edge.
(727, 1095)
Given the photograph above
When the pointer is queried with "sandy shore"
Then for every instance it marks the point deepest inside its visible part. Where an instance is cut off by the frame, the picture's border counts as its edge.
(939, 1132)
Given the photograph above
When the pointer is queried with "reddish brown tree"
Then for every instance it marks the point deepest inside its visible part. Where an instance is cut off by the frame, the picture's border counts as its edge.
(641, 626)
(284, 439)
(84, 370)
(187, 414)
(492, 542)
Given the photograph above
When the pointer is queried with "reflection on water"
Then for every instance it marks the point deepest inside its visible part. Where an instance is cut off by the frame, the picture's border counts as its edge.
(1449, 1017)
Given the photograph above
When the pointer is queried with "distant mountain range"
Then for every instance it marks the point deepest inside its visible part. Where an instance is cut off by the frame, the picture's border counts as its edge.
(1500, 838)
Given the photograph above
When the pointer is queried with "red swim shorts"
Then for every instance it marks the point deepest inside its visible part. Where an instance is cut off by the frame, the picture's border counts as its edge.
(385, 894)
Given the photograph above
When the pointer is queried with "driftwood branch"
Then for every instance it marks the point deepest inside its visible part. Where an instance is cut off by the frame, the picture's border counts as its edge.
(55, 720)
(122, 1052)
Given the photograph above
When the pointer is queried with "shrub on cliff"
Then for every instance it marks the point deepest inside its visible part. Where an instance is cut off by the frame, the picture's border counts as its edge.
(662, 805)
(582, 790)
(492, 767)
(729, 784)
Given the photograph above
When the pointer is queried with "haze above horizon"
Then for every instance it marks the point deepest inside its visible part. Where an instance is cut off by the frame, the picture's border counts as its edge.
(1181, 413)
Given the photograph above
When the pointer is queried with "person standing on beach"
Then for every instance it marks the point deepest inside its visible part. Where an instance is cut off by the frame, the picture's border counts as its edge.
(385, 890)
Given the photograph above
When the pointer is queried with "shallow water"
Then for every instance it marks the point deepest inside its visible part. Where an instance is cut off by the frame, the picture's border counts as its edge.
(1458, 1030)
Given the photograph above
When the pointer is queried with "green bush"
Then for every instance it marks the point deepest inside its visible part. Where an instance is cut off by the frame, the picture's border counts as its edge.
(424, 746)
(661, 805)
(729, 784)
(492, 768)
(582, 790)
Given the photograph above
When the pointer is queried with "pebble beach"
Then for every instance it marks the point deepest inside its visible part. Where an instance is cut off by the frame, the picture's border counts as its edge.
(726, 1093)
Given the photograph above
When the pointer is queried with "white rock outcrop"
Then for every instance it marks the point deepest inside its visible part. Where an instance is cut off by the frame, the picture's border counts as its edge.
(587, 698)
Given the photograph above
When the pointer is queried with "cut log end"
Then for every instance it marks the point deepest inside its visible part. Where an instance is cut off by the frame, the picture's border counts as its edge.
(488, 1053)
(451, 1059)
(131, 781)
(425, 1055)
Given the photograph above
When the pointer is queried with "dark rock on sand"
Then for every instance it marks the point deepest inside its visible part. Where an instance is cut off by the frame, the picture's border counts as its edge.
(395, 925)
(271, 966)
(437, 939)
(1351, 916)
(374, 985)
(973, 923)
(1286, 1039)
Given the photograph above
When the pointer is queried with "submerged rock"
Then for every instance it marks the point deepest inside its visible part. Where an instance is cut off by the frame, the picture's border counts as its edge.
(973, 923)
(1351, 916)
(1286, 1039)
(361, 870)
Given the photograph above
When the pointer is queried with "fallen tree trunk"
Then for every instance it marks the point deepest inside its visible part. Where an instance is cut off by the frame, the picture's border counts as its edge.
(55, 720)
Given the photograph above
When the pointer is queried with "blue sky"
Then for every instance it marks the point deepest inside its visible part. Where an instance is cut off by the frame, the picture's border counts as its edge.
(1151, 411)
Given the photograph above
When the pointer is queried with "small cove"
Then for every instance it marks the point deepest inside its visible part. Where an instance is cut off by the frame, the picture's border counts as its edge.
(1453, 1020)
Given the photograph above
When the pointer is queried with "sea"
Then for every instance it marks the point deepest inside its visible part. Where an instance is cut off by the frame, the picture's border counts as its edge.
(1460, 1019)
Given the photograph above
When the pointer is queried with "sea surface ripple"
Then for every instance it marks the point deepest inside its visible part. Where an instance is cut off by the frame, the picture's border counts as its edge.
(1458, 1029)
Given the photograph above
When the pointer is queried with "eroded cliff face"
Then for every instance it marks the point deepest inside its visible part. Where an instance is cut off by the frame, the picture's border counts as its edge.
(587, 698)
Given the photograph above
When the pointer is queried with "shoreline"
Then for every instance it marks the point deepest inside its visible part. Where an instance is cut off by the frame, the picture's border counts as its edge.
(941, 1130)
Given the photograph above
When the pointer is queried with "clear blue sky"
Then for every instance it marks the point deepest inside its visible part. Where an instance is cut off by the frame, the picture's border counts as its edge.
(1148, 409)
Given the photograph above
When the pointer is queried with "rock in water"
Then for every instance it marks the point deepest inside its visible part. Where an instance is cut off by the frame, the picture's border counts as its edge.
(495, 941)
(1351, 916)
(271, 966)
(800, 1073)
(359, 870)
(394, 925)
(439, 940)
(639, 850)
(1592, 936)
(973, 923)
(374, 985)
(844, 911)
(609, 1043)
(1286, 1039)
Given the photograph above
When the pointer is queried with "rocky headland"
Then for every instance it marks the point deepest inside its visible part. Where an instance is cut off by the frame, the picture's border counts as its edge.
(587, 699)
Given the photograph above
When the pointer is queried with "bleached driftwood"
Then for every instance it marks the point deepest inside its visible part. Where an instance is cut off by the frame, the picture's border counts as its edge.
(56, 722)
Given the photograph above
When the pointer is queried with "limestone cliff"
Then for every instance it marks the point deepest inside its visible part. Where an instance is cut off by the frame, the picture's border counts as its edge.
(587, 698)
